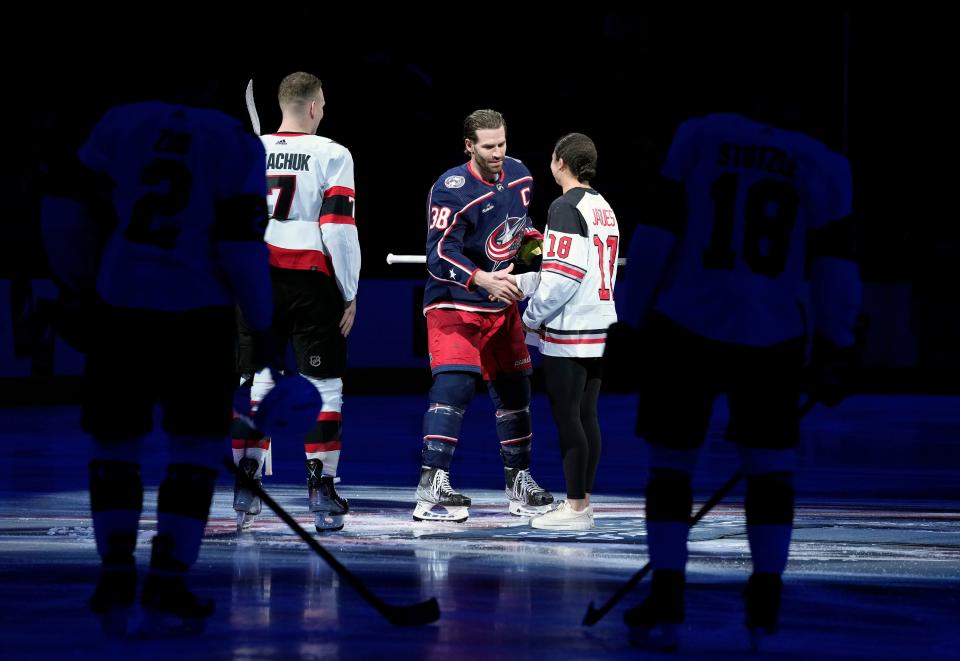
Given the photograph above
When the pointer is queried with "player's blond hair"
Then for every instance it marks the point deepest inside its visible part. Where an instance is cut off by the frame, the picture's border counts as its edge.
(298, 89)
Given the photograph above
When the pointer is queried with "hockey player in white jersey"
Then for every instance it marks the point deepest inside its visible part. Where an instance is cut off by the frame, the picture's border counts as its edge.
(752, 234)
(570, 308)
(315, 267)
(159, 224)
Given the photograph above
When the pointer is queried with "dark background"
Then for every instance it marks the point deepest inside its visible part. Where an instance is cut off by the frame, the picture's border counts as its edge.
(399, 83)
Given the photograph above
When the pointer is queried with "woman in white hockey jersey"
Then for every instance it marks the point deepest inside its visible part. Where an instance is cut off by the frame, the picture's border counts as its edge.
(571, 306)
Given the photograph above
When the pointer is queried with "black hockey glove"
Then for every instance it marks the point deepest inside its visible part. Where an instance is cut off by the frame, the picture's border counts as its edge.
(831, 369)
(621, 355)
(74, 316)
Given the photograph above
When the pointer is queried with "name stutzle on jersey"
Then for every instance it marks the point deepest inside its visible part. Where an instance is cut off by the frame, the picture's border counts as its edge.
(571, 298)
(311, 199)
(473, 225)
(763, 206)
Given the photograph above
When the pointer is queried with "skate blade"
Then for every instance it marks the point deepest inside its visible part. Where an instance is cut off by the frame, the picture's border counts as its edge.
(662, 638)
(522, 509)
(160, 624)
(244, 520)
(325, 522)
(432, 512)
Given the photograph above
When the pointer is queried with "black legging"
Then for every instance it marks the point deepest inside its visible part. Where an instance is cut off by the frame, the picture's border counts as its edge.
(573, 386)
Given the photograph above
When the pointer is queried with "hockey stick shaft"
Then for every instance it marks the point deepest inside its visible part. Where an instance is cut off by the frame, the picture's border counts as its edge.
(252, 108)
(422, 259)
(424, 612)
(594, 615)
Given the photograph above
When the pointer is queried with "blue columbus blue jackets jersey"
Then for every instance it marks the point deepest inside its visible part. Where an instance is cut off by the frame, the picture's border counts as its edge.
(474, 225)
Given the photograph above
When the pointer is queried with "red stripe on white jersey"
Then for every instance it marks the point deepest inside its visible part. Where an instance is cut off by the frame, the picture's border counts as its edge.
(573, 272)
(592, 340)
(322, 447)
(329, 415)
(339, 190)
(299, 260)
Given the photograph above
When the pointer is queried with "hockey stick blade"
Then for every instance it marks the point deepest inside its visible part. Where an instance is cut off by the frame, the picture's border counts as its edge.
(418, 614)
(594, 615)
(252, 108)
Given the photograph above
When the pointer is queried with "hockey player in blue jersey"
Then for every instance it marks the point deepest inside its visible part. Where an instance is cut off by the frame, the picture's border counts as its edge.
(477, 222)
(751, 236)
(160, 221)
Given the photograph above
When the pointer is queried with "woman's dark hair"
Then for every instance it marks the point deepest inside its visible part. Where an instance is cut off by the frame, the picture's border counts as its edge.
(579, 154)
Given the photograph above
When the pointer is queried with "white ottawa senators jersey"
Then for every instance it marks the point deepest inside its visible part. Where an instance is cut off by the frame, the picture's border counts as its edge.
(754, 196)
(311, 199)
(188, 195)
(571, 297)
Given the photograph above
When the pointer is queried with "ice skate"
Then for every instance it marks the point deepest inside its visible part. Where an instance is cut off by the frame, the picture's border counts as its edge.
(246, 504)
(655, 623)
(113, 599)
(328, 507)
(527, 498)
(170, 609)
(436, 499)
(762, 599)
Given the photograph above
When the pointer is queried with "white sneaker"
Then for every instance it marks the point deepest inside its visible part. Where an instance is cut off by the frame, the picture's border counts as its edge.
(564, 517)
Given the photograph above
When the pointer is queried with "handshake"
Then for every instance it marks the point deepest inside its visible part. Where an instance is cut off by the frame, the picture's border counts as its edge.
(500, 285)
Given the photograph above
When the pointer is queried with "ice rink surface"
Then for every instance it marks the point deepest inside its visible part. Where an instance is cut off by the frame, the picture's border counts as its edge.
(874, 570)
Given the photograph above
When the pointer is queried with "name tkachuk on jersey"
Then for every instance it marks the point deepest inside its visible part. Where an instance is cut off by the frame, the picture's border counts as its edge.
(571, 298)
(311, 200)
(286, 161)
(755, 196)
(473, 225)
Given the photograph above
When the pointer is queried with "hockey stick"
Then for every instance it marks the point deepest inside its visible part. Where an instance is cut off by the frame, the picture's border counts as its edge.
(422, 259)
(252, 108)
(594, 615)
(424, 612)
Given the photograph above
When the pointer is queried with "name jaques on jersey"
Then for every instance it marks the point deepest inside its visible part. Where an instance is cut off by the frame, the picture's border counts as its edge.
(754, 193)
(473, 224)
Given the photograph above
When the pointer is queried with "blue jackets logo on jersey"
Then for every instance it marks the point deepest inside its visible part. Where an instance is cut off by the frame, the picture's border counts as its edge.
(504, 241)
